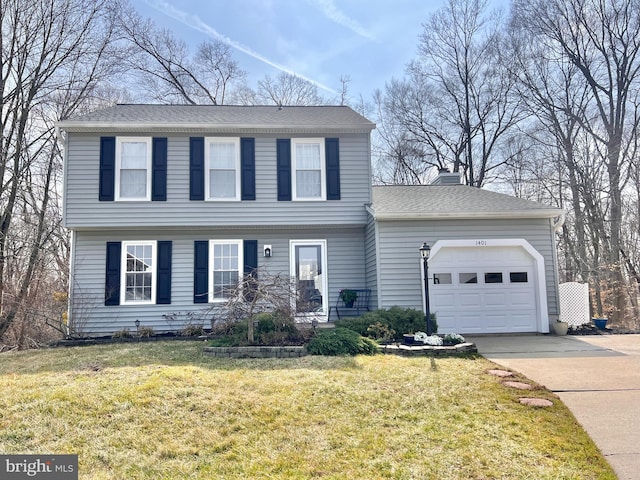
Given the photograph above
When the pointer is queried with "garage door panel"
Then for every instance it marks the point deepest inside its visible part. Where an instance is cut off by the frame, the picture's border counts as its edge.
(508, 305)
(470, 323)
(496, 321)
(495, 299)
(523, 300)
(467, 299)
(446, 321)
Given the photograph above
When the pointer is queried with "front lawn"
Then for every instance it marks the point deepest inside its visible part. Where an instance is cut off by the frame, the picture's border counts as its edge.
(164, 411)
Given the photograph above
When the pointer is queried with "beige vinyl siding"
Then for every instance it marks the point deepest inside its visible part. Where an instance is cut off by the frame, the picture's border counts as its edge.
(83, 210)
(399, 258)
(346, 268)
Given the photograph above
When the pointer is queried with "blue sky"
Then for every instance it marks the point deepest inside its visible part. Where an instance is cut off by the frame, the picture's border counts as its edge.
(319, 40)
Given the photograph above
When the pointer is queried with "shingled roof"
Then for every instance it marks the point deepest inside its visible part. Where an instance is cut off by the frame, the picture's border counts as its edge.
(400, 202)
(219, 118)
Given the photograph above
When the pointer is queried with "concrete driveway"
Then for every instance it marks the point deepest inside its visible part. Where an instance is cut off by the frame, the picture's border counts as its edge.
(596, 376)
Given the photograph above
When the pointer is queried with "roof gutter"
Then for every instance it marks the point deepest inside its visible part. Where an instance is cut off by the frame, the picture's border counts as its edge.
(83, 126)
(543, 213)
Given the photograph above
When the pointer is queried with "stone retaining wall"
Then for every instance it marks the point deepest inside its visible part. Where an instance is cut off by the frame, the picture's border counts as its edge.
(255, 352)
(427, 350)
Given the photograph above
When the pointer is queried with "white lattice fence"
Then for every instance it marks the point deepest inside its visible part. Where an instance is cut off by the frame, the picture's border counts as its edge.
(574, 303)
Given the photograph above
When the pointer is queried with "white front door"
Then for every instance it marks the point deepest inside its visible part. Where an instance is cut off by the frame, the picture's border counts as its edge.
(309, 273)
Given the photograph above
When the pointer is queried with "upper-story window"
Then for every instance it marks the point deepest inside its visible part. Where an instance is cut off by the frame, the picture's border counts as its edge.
(133, 168)
(223, 168)
(308, 165)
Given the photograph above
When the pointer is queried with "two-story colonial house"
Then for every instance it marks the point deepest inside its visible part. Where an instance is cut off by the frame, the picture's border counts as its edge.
(169, 206)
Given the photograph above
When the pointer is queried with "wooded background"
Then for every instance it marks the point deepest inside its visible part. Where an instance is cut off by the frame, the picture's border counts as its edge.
(541, 101)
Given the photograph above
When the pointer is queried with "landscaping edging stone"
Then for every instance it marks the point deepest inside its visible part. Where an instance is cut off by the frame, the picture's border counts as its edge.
(256, 352)
(428, 350)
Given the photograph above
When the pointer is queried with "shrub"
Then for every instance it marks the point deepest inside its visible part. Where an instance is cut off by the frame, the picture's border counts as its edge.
(192, 330)
(124, 333)
(276, 328)
(341, 341)
(146, 332)
(453, 339)
(397, 319)
(380, 332)
(270, 328)
(358, 324)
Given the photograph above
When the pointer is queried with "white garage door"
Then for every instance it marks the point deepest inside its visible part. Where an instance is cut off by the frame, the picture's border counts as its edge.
(483, 290)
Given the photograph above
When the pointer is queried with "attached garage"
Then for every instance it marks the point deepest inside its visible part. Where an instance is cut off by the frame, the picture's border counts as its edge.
(493, 264)
(491, 287)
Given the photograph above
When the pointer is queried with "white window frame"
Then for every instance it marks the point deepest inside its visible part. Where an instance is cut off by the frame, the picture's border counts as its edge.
(212, 244)
(213, 140)
(119, 142)
(123, 271)
(294, 169)
(325, 277)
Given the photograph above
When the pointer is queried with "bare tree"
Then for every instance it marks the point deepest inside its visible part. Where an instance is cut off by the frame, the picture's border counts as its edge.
(170, 73)
(261, 292)
(456, 99)
(288, 89)
(53, 56)
(601, 39)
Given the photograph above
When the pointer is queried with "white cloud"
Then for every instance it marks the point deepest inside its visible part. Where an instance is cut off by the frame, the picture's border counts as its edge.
(196, 23)
(329, 9)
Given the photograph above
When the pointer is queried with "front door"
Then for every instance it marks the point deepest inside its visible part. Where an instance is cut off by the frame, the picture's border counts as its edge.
(309, 273)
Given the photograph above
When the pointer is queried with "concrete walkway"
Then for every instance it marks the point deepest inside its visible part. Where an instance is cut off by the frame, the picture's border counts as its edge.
(596, 376)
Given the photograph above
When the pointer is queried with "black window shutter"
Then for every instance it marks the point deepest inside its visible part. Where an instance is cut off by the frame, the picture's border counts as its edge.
(250, 268)
(107, 169)
(159, 170)
(201, 272)
(332, 153)
(163, 289)
(196, 168)
(248, 168)
(112, 280)
(283, 148)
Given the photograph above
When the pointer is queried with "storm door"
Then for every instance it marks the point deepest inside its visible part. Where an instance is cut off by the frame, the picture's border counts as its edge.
(309, 273)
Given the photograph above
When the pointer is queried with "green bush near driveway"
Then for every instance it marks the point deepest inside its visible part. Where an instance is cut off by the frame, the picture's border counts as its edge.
(397, 319)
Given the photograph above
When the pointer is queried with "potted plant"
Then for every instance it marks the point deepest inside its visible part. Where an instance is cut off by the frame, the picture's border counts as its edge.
(560, 327)
(348, 297)
(600, 323)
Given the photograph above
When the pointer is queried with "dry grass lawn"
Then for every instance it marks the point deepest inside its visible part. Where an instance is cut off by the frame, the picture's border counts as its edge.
(164, 411)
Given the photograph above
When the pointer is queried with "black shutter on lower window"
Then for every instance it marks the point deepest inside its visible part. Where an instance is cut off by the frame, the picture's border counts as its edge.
(159, 170)
(250, 251)
(112, 274)
(163, 289)
(332, 153)
(248, 168)
(196, 168)
(201, 271)
(107, 169)
(283, 149)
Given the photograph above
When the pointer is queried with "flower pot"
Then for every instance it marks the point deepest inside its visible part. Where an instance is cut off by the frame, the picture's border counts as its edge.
(408, 339)
(600, 323)
(560, 328)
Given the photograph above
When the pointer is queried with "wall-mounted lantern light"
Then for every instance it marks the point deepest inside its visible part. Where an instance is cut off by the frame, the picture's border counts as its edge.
(267, 250)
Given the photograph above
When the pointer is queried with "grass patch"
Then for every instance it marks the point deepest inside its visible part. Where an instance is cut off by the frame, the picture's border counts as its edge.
(162, 410)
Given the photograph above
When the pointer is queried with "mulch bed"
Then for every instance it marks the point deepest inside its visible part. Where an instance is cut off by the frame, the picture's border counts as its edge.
(591, 329)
